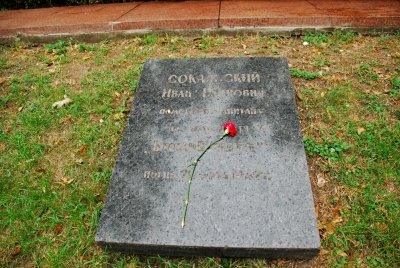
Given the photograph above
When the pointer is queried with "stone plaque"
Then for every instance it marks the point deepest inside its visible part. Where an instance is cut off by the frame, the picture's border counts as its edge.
(251, 194)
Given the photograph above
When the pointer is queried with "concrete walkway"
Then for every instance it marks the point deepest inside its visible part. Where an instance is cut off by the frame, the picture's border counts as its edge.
(225, 15)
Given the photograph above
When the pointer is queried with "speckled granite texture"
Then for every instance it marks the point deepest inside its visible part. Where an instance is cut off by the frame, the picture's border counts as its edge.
(251, 194)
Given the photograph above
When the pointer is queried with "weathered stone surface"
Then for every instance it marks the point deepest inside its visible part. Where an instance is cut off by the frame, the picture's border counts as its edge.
(251, 194)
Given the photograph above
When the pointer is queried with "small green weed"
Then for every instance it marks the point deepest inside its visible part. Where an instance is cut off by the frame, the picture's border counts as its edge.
(151, 39)
(365, 74)
(46, 60)
(374, 103)
(3, 62)
(58, 48)
(328, 39)
(320, 61)
(4, 100)
(342, 37)
(316, 38)
(303, 74)
(395, 90)
(396, 81)
(205, 43)
(328, 149)
(82, 47)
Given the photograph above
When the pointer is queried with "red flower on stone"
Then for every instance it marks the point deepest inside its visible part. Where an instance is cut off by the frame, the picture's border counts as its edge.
(230, 129)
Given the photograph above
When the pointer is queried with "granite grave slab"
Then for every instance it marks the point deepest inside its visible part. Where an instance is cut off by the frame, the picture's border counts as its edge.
(251, 194)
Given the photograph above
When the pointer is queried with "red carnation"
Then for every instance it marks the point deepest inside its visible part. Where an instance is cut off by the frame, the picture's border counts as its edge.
(230, 129)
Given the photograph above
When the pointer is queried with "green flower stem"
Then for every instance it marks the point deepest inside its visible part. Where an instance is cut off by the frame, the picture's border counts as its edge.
(192, 174)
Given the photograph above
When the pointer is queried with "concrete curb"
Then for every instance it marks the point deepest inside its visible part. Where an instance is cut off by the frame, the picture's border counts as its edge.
(115, 35)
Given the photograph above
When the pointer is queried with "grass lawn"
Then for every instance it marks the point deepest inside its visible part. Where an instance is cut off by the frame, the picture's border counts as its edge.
(55, 163)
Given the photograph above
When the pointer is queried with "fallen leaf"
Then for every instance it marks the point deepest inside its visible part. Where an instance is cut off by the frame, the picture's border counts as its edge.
(79, 161)
(117, 94)
(17, 251)
(362, 185)
(57, 229)
(341, 253)
(86, 58)
(330, 229)
(1, 80)
(57, 82)
(324, 252)
(320, 180)
(360, 130)
(244, 46)
(381, 226)
(298, 97)
(337, 220)
(20, 108)
(281, 262)
(336, 211)
(322, 94)
(61, 103)
(83, 149)
(67, 181)
(118, 116)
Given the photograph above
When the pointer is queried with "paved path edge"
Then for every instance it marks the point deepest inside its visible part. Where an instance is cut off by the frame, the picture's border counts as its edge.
(115, 35)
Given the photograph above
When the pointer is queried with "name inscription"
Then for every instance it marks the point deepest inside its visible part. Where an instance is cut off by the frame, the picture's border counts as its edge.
(227, 78)
(210, 92)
